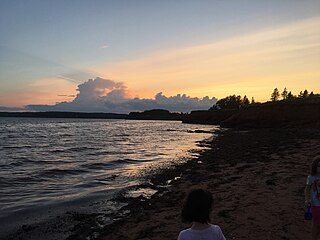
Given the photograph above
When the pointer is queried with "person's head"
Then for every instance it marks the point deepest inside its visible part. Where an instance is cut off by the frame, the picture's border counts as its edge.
(197, 206)
(315, 165)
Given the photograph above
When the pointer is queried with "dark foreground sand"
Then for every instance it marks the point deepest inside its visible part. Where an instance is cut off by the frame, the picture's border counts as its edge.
(257, 178)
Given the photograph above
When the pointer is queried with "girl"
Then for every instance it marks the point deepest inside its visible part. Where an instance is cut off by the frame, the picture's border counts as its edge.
(312, 197)
(196, 209)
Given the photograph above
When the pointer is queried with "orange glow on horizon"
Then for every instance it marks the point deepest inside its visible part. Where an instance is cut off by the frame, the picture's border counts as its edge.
(252, 65)
(43, 91)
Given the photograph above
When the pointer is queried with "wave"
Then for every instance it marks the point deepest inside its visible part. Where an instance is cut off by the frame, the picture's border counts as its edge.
(114, 163)
(43, 160)
(61, 172)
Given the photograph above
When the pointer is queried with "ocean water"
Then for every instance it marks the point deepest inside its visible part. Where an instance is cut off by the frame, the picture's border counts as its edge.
(45, 161)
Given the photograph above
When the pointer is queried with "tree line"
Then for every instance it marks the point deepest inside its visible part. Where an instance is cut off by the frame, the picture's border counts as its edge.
(275, 96)
(237, 102)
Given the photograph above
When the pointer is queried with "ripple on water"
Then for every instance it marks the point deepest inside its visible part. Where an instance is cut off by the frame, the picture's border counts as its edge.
(49, 159)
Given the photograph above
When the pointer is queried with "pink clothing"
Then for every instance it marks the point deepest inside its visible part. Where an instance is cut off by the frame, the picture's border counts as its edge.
(315, 210)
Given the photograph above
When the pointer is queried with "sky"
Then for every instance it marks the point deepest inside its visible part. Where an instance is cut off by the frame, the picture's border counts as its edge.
(128, 55)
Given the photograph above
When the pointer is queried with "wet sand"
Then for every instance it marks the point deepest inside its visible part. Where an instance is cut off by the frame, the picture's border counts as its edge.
(257, 178)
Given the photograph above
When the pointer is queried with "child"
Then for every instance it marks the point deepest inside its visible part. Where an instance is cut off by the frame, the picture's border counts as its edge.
(196, 209)
(312, 197)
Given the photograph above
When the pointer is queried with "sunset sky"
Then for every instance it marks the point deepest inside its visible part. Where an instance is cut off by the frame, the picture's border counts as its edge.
(199, 48)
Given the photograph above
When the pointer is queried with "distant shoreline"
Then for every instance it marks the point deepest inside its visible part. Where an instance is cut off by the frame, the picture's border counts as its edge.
(266, 115)
(64, 115)
(155, 114)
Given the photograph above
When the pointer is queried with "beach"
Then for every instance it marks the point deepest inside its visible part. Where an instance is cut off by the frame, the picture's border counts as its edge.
(257, 178)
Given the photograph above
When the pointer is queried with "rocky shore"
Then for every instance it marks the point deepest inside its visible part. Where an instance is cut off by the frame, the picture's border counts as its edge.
(267, 115)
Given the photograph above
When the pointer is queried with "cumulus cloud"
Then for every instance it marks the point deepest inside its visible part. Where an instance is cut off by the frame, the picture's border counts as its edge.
(100, 89)
(103, 95)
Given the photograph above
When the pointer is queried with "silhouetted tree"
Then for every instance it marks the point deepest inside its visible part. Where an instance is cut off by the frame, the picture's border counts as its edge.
(275, 95)
(236, 102)
(284, 94)
(290, 96)
(214, 108)
(304, 94)
(245, 101)
(230, 102)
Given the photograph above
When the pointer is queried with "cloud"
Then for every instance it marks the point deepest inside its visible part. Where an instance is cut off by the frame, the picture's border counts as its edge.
(65, 95)
(104, 46)
(103, 95)
(11, 109)
(67, 78)
(100, 89)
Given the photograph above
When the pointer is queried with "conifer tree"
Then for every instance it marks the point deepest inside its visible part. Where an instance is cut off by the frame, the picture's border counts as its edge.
(304, 94)
(275, 95)
(245, 101)
(290, 96)
(284, 94)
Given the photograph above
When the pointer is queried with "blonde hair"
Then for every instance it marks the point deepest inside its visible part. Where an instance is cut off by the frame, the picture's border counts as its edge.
(314, 166)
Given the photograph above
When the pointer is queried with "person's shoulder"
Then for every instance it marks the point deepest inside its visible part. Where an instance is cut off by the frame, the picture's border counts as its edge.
(218, 232)
(313, 177)
(183, 234)
(185, 230)
(215, 226)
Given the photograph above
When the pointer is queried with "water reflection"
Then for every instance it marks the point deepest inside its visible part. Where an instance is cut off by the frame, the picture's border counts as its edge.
(45, 160)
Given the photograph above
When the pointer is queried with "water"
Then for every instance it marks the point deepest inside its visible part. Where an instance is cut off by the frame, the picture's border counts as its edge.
(44, 161)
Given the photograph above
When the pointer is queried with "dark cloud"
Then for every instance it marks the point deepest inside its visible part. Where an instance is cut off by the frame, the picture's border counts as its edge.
(11, 109)
(103, 95)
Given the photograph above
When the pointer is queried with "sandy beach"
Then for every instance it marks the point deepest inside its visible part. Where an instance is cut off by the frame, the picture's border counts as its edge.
(257, 178)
